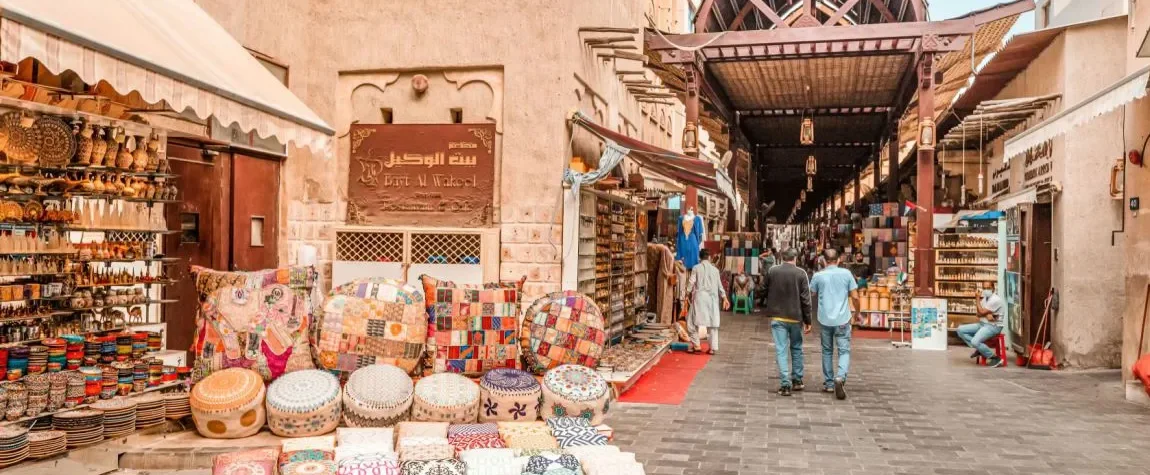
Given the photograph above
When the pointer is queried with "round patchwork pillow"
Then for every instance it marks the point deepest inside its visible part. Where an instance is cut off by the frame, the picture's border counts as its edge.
(575, 391)
(446, 397)
(229, 404)
(509, 395)
(378, 395)
(304, 403)
(562, 328)
(372, 321)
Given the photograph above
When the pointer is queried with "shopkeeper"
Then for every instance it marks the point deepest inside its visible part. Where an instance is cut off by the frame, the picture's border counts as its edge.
(991, 310)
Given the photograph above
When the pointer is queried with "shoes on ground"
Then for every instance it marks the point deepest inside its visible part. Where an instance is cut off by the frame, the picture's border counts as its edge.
(785, 391)
(797, 385)
(975, 355)
(840, 389)
(996, 362)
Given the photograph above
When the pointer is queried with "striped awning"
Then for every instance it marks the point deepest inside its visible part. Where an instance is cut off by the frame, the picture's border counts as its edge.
(166, 51)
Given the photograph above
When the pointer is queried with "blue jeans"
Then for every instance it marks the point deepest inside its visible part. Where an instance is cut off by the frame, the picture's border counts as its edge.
(976, 334)
(833, 337)
(788, 341)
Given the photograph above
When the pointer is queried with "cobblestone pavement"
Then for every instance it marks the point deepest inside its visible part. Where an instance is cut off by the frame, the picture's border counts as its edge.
(909, 412)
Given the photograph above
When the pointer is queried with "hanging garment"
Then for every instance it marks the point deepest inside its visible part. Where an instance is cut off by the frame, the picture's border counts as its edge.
(687, 242)
(661, 275)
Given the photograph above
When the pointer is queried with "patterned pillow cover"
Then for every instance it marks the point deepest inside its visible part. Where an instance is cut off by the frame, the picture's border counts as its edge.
(562, 328)
(260, 320)
(371, 321)
(472, 329)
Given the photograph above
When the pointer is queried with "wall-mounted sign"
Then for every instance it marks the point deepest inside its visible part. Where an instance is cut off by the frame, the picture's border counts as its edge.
(1038, 164)
(1000, 180)
(421, 174)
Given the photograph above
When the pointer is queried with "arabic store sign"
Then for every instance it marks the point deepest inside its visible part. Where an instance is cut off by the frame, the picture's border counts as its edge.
(1038, 164)
(421, 174)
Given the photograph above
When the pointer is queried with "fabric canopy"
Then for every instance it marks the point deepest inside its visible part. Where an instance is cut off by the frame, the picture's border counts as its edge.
(168, 50)
(1129, 89)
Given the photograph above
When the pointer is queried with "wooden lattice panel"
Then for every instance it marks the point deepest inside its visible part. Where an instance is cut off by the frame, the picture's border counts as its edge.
(834, 82)
(369, 246)
(446, 248)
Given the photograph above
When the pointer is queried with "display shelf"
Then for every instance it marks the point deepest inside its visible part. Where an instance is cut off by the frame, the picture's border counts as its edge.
(168, 385)
(128, 284)
(120, 230)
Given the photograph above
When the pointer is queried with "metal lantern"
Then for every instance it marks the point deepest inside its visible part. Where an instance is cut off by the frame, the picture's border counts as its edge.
(807, 133)
(690, 139)
(926, 134)
(812, 168)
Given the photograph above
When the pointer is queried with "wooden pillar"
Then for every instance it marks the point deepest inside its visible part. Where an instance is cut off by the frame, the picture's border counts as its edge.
(858, 187)
(691, 129)
(690, 200)
(924, 239)
(892, 164)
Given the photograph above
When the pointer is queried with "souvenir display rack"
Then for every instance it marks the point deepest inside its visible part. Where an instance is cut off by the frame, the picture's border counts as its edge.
(965, 262)
(611, 223)
(589, 269)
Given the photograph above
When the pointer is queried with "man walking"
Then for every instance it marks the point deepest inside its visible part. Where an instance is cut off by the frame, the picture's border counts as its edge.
(837, 293)
(789, 306)
(705, 292)
(991, 309)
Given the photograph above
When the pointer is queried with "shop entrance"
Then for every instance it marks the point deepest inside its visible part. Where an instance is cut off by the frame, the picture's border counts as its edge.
(1028, 272)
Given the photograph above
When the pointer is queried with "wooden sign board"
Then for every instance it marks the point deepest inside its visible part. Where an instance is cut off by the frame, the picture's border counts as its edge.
(421, 175)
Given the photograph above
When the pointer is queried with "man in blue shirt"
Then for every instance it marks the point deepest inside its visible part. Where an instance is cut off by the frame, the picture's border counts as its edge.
(991, 313)
(837, 291)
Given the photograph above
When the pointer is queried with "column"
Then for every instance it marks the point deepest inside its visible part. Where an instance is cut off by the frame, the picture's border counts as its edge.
(690, 200)
(691, 129)
(924, 239)
(892, 163)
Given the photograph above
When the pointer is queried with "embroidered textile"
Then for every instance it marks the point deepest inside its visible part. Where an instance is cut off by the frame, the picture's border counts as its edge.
(553, 464)
(472, 429)
(434, 467)
(372, 321)
(464, 442)
(370, 464)
(422, 429)
(311, 467)
(472, 329)
(247, 462)
(261, 320)
(575, 431)
(509, 395)
(380, 438)
(446, 397)
(377, 396)
(560, 328)
(426, 451)
(228, 404)
(575, 391)
(304, 403)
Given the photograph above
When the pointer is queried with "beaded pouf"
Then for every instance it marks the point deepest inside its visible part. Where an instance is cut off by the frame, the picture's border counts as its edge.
(446, 397)
(229, 404)
(377, 396)
(575, 391)
(508, 395)
(304, 403)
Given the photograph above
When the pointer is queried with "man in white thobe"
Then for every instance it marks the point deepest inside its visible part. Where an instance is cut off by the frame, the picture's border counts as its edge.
(706, 292)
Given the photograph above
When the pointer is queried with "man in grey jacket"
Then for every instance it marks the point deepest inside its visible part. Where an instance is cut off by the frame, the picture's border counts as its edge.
(789, 306)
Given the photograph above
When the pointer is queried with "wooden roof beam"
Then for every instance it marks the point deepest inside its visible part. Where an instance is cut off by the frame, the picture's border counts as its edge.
(919, 10)
(842, 11)
(823, 34)
(883, 10)
(818, 145)
(821, 111)
(738, 21)
(770, 14)
(704, 15)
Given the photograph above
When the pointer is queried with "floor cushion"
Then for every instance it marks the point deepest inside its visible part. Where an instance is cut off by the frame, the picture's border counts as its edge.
(575, 391)
(304, 403)
(228, 404)
(433, 467)
(246, 462)
(472, 329)
(378, 395)
(562, 328)
(446, 397)
(370, 464)
(372, 321)
(575, 432)
(508, 394)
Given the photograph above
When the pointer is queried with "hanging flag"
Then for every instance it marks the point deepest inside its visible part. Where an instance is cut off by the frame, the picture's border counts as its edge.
(911, 206)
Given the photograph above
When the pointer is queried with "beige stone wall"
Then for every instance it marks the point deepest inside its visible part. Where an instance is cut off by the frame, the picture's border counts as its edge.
(1137, 235)
(347, 58)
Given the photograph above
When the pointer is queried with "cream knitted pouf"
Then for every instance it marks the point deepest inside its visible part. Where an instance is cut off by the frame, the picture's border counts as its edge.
(378, 395)
(446, 397)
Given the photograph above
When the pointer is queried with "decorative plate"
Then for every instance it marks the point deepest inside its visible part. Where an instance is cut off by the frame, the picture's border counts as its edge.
(57, 144)
(33, 210)
(22, 141)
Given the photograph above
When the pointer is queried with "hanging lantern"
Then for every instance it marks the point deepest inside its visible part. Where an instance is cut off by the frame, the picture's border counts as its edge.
(812, 168)
(690, 140)
(807, 133)
(803, 196)
(926, 134)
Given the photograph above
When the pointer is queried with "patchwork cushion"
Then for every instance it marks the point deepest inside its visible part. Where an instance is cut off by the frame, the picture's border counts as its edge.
(228, 404)
(304, 403)
(446, 397)
(575, 432)
(433, 467)
(507, 394)
(372, 321)
(472, 329)
(259, 320)
(562, 328)
(247, 462)
(575, 391)
(378, 395)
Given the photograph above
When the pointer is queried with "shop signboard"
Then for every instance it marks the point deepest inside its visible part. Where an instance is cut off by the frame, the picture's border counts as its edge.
(1038, 165)
(421, 175)
(928, 324)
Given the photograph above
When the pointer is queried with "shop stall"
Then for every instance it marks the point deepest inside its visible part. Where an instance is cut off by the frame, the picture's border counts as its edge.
(967, 246)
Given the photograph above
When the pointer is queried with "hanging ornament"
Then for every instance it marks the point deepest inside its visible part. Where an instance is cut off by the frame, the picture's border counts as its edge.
(807, 133)
(812, 168)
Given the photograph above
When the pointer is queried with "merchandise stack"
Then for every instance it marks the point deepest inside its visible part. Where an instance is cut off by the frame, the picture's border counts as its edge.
(885, 246)
(741, 253)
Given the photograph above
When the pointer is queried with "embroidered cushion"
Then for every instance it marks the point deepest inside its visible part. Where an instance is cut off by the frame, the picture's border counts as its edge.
(370, 464)
(304, 403)
(247, 462)
(553, 464)
(446, 397)
(464, 442)
(574, 432)
(575, 391)
(421, 429)
(433, 467)
(492, 462)
(562, 328)
(373, 321)
(378, 438)
(259, 320)
(378, 395)
(228, 404)
(426, 451)
(472, 329)
(310, 467)
(509, 395)
(472, 429)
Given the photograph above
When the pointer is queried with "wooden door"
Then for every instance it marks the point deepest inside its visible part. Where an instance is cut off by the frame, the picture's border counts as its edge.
(255, 213)
(1039, 270)
(201, 216)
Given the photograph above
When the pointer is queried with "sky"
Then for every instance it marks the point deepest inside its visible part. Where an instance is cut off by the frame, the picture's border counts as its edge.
(944, 9)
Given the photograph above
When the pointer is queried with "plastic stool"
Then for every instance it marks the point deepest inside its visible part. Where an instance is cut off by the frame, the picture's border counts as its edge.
(744, 304)
(998, 344)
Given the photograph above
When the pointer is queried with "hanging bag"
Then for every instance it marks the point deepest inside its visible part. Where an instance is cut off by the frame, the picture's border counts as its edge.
(1142, 366)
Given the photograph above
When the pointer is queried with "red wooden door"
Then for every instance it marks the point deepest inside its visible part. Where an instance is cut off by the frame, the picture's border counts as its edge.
(255, 213)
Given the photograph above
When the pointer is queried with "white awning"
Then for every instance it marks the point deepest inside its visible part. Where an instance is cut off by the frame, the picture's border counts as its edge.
(1129, 89)
(655, 182)
(168, 50)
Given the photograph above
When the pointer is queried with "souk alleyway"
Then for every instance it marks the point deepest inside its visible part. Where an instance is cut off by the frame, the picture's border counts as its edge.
(908, 412)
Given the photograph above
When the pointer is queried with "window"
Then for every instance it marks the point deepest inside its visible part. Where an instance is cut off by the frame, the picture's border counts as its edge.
(189, 228)
(257, 231)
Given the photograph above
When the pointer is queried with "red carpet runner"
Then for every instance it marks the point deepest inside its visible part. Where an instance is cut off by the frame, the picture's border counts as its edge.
(668, 381)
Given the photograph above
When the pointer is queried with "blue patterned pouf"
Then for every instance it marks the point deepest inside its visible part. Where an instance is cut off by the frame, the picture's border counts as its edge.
(509, 395)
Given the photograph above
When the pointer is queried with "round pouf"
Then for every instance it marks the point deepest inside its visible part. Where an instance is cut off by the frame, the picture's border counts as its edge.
(228, 404)
(575, 391)
(562, 328)
(446, 397)
(508, 395)
(304, 403)
(377, 395)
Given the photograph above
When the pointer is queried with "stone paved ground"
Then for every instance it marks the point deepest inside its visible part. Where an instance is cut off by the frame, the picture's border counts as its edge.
(908, 412)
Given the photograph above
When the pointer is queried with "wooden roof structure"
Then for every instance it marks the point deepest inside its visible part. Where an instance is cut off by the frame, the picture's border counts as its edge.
(761, 66)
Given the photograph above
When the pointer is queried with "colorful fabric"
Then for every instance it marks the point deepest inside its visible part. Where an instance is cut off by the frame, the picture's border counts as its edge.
(472, 429)
(372, 321)
(575, 391)
(466, 442)
(434, 467)
(260, 320)
(509, 395)
(561, 328)
(575, 432)
(247, 462)
(446, 397)
(472, 329)
(229, 404)
(310, 467)
(370, 464)
(553, 464)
